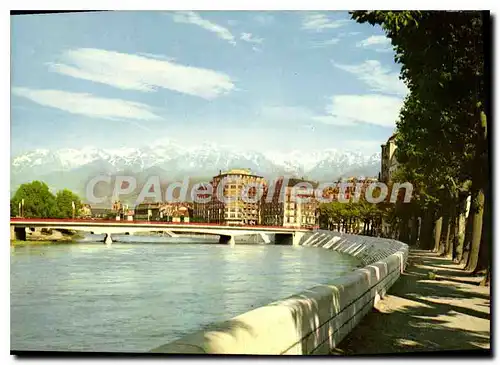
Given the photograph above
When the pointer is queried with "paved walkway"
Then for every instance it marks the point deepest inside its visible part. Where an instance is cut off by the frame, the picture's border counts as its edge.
(449, 312)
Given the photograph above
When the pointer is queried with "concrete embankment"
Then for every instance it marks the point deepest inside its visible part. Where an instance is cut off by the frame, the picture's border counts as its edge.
(315, 320)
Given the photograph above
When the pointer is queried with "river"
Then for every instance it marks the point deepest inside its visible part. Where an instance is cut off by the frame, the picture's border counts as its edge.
(134, 296)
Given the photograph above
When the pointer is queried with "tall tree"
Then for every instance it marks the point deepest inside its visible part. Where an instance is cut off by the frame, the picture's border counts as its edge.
(36, 201)
(64, 202)
(443, 124)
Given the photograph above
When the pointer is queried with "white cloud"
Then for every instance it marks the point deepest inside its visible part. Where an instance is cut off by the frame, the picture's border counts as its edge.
(248, 37)
(379, 43)
(376, 77)
(332, 120)
(343, 34)
(299, 115)
(133, 72)
(88, 105)
(326, 43)
(370, 108)
(158, 56)
(374, 40)
(318, 22)
(190, 17)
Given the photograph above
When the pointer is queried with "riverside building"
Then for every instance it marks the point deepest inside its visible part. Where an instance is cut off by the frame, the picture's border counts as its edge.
(280, 209)
(230, 208)
(389, 163)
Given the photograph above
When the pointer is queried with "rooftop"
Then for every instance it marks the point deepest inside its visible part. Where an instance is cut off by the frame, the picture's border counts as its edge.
(237, 172)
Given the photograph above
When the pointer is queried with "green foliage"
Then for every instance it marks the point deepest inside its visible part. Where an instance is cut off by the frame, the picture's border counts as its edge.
(39, 202)
(441, 131)
(110, 215)
(350, 214)
(64, 199)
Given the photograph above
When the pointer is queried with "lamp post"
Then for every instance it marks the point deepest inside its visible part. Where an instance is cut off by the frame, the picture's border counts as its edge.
(73, 208)
(22, 208)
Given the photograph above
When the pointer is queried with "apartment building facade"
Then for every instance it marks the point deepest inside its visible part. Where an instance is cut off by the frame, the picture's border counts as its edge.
(279, 208)
(164, 212)
(226, 205)
(353, 190)
(389, 162)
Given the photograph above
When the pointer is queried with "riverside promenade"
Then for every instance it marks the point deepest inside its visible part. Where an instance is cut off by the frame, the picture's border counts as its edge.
(448, 312)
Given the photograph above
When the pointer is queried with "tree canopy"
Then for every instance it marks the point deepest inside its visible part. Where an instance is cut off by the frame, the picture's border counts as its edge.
(442, 127)
(37, 201)
(64, 202)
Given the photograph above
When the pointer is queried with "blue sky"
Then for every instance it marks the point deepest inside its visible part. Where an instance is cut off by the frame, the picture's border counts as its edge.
(258, 80)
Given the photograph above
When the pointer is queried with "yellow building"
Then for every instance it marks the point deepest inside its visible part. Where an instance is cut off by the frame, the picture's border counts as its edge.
(164, 212)
(389, 163)
(280, 209)
(235, 211)
(85, 211)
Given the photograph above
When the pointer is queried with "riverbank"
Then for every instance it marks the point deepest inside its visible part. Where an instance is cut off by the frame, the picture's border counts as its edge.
(47, 236)
(448, 312)
(16, 243)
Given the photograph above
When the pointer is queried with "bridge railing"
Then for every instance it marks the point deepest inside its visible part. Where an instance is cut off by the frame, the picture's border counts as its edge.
(114, 221)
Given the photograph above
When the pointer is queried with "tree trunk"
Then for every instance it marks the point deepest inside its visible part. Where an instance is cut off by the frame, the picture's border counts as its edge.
(481, 176)
(445, 234)
(485, 248)
(468, 229)
(403, 230)
(426, 232)
(452, 222)
(437, 233)
(477, 227)
(414, 230)
(455, 238)
(462, 227)
(487, 278)
(418, 228)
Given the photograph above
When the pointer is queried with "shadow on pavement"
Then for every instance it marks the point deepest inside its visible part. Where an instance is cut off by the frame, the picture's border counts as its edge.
(420, 314)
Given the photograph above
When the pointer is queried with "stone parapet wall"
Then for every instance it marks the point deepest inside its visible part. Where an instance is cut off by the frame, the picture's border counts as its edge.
(366, 249)
(315, 320)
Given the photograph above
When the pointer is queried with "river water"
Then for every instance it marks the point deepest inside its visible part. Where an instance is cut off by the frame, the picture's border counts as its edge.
(134, 296)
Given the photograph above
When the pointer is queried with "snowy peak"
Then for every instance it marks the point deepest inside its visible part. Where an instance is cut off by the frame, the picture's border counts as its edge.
(69, 167)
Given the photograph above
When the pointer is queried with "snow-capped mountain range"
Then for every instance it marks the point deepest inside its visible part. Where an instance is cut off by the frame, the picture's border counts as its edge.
(72, 168)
